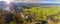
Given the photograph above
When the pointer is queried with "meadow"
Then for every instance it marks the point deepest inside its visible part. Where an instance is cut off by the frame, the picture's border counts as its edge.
(32, 15)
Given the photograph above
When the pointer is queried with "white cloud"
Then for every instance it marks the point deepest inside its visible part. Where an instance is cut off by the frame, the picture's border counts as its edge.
(37, 1)
(49, 2)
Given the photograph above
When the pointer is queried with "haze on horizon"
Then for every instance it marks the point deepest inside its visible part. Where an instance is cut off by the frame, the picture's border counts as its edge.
(38, 1)
(34, 1)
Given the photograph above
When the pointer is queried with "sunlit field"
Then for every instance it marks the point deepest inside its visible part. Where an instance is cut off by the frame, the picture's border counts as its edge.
(49, 14)
(21, 13)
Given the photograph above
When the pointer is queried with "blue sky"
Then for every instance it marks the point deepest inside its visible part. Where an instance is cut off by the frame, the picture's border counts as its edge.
(45, 1)
(48, 1)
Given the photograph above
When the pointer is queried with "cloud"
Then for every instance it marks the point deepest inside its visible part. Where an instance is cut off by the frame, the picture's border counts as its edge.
(41, 1)
(48, 2)
(37, 1)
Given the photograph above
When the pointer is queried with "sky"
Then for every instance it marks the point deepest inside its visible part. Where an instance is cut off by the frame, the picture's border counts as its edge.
(40, 1)
(49, 1)
(8, 1)
(34, 1)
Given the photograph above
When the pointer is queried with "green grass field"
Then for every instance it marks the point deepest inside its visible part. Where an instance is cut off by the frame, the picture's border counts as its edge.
(49, 14)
